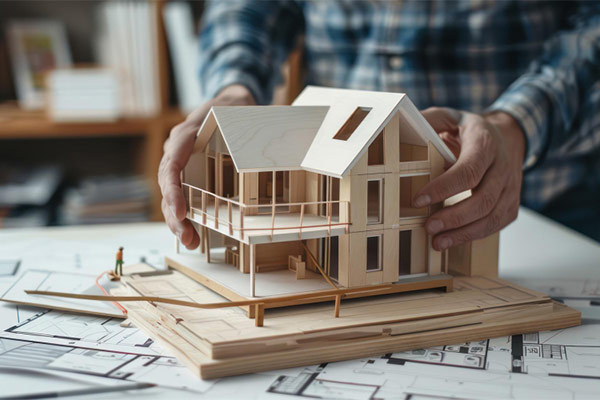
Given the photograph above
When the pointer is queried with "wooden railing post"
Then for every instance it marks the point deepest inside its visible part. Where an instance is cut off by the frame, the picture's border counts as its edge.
(329, 218)
(216, 212)
(242, 211)
(190, 205)
(301, 220)
(230, 218)
(338, 300)
(203, 208)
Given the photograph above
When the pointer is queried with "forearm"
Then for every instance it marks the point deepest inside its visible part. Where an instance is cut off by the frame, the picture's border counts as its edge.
(245, 43)
(546, 102)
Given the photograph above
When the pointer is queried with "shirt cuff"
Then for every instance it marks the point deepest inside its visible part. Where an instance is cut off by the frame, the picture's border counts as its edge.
(529, 106)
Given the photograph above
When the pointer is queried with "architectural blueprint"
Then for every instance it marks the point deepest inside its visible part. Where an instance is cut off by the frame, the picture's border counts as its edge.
(84, 331)
(70, 282)
(557, 364)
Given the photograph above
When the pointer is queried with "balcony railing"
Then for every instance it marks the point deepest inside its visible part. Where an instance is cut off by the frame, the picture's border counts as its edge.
(204, 207)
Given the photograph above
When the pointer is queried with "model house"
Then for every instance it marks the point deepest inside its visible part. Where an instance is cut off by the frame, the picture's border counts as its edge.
(317, 194)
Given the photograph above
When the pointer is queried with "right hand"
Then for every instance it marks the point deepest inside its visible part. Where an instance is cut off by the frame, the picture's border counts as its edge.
(177, 150)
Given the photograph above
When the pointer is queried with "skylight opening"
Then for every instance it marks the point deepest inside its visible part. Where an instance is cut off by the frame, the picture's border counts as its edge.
(352, 123)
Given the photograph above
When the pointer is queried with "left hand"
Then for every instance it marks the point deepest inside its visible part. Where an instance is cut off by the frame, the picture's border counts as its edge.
(490, 151)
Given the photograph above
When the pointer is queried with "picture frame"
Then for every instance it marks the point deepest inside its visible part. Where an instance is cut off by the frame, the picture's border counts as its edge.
(36, 46)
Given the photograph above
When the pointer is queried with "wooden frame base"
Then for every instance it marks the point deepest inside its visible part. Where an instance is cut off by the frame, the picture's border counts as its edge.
(224, 342)
(441, 281)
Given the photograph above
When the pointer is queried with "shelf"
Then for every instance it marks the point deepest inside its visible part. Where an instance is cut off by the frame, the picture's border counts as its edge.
(20, 124)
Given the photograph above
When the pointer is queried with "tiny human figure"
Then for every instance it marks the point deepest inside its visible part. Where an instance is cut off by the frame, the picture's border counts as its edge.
(119, 263)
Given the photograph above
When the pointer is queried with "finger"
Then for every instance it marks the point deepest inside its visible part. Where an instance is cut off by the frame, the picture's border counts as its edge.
(184, 230)
(178, 149)
(502, 215)
(443, 119)
(476, 156)
(481, 203)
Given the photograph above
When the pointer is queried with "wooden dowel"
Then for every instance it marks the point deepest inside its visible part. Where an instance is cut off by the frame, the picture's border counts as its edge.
(190, 205)
(259, 314)
(203, 208)
(242, 221)
(216, 213)
(252, 269)
(230, 218)
(325, 294)
(329, 218)
(314, 260)
(338, 300)
(301, 219)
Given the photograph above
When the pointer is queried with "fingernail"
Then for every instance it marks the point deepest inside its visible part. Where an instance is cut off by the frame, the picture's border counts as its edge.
(172, 208)
(422, 200)
(445, 243)
(435, 226)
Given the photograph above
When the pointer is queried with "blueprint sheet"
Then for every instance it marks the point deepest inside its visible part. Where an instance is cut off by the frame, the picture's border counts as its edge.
(77, 348)
(557, 364)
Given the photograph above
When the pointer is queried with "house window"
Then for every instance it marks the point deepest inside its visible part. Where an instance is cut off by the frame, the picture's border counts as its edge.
(412, 152)
(330, 191)
(230, 178)
(374, 253)
(352, 123)
(375, 156)
(409, 187)
(375, 201)
(210, 174)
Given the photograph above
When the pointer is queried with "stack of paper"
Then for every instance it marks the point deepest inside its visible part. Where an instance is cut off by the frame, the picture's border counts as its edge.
(83, 94)
(127, 43)
(107, 200)
(26, 193)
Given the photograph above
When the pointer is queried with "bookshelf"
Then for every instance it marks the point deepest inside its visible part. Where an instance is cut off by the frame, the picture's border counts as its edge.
(32, 130)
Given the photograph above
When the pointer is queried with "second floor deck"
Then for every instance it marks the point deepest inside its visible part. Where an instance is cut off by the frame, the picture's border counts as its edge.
(265, 223)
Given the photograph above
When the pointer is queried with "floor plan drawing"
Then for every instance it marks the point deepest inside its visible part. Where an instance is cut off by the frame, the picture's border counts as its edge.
(555, 364)
(162, 370)
(78, 330)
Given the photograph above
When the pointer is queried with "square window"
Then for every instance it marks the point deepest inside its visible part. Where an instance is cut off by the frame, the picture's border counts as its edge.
(374, 253)
(412, 152)
(409, 187)
(352, 123)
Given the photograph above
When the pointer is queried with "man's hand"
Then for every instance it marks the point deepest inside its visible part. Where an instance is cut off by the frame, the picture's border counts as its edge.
(178, 149)
(490, 151)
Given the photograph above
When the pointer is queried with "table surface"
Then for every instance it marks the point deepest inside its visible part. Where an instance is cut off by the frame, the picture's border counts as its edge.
(531, 247)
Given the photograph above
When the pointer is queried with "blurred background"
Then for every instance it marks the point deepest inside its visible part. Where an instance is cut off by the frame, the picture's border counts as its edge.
(89, 91)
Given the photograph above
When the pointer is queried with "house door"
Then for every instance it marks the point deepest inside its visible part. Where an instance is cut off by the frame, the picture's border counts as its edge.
(230, 178)
(330, 256)
(412, 258)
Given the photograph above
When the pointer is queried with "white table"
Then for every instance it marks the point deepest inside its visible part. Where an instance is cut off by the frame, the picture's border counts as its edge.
(531, 247)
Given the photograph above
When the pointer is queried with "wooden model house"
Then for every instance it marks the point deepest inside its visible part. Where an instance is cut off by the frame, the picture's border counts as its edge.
(318, 194)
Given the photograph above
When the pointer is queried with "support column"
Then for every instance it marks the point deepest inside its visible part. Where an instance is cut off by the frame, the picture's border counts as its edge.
(252, 268)
(176, 245)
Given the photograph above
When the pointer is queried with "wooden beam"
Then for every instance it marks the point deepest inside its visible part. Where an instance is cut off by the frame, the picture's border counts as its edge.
(252, 269)
(314, 260)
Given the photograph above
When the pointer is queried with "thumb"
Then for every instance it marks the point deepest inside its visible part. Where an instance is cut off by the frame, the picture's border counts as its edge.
(443, 119)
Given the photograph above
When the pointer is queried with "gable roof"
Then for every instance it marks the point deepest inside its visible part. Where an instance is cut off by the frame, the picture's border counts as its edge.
(265, 138)
(268, 138)
(334, 157)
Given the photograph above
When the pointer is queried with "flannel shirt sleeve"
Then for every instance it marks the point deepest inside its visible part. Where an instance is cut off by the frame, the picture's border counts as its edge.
(548, 99)
(245, 42)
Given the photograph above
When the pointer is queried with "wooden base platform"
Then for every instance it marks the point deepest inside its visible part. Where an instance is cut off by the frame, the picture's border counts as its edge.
(230, 283)
(222, 342)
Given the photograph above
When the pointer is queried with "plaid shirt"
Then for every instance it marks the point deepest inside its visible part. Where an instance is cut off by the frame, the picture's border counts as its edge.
(536, 60)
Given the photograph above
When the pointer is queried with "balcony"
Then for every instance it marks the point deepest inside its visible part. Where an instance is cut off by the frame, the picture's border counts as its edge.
(265, 223)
